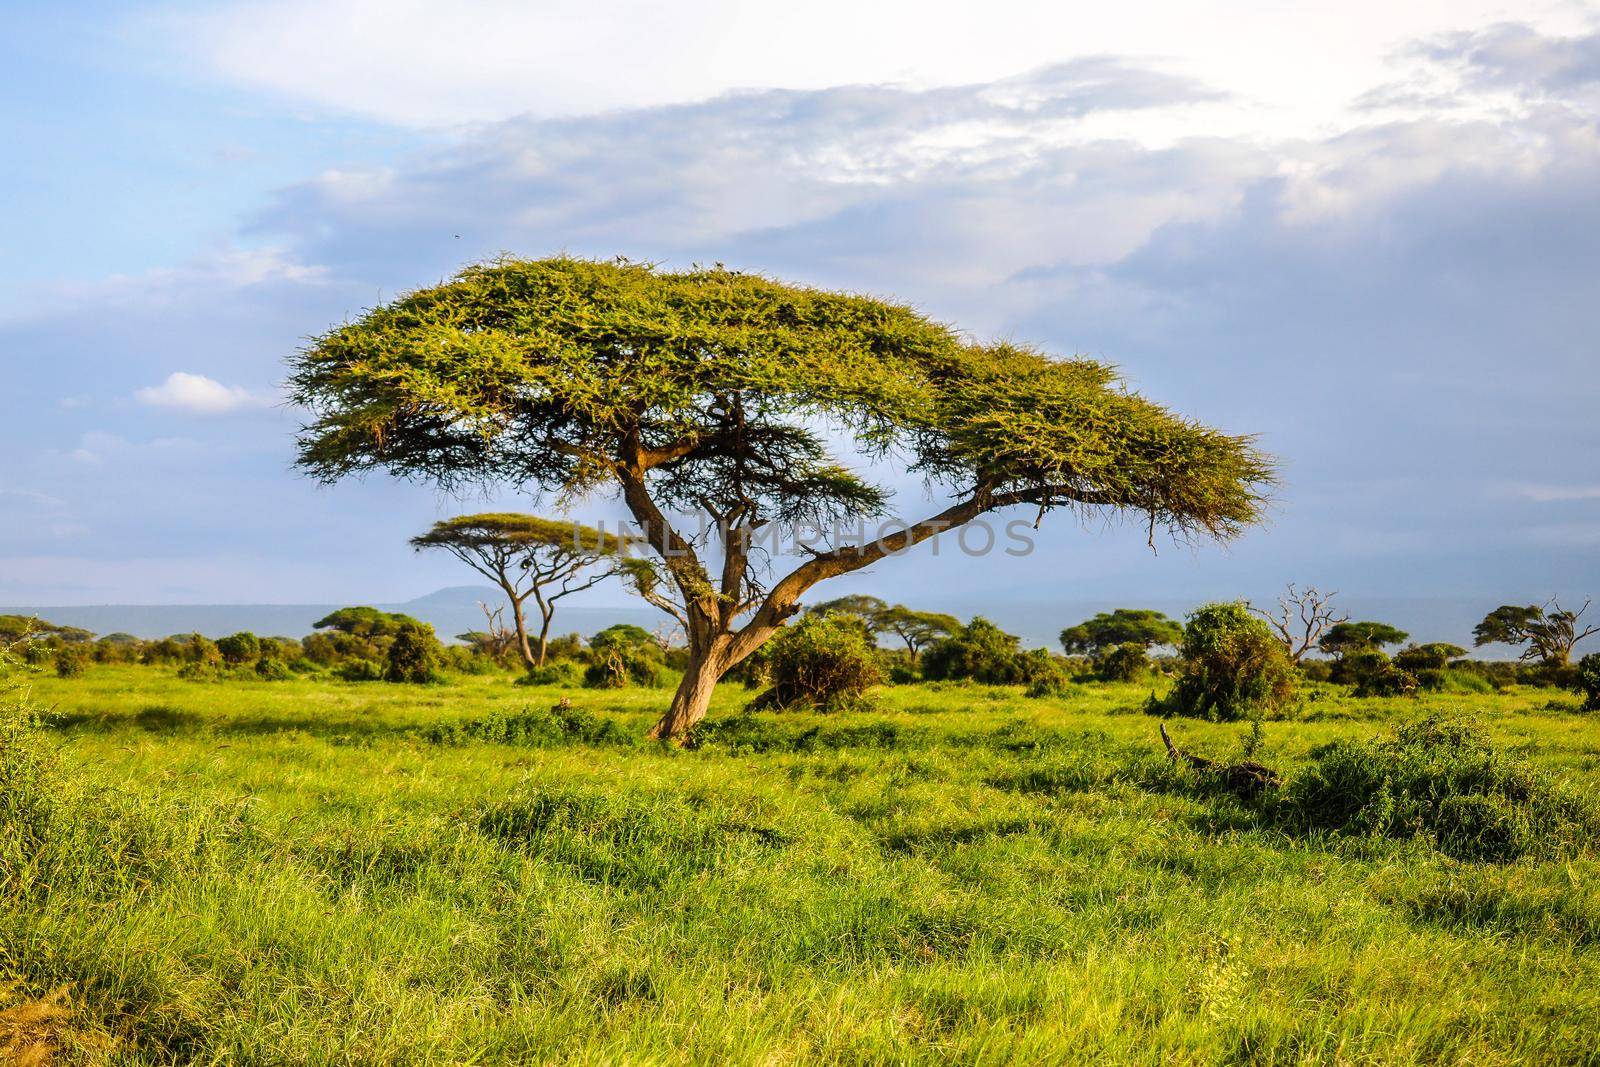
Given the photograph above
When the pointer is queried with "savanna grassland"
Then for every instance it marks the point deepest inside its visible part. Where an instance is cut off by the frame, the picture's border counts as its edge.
(311, 871)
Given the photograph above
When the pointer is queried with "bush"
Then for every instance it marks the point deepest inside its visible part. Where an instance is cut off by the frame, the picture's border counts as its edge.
(1233, 667)
(269, 669)
(624, 655)
(72, 661)
(562, 672)
(823, 661)
(1376, 675)
(413, 656)
(239, 649)
(1126, 662)
(1046, 676)
(360, 670)
(1443, 781)
(981, 651)
(1588, 677)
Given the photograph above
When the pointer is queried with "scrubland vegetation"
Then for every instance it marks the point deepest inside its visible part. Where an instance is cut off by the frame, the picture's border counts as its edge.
(229, 868)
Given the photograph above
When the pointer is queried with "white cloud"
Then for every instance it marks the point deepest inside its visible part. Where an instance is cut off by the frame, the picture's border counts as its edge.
(197, 394)
(1551, 494)
(1291, 67)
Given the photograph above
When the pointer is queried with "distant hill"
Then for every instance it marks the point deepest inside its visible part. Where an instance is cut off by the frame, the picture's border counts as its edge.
(455, 610)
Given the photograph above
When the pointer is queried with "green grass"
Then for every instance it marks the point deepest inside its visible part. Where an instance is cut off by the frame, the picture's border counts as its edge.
(319, 872)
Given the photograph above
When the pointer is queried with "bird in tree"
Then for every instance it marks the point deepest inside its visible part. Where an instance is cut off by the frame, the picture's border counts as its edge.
(717, 391)
(530, 557)
(917, 629)
(1549, 632)
(1123, 626)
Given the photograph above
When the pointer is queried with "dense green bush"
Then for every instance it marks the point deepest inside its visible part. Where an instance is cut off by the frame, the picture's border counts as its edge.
(413, 655)
(72, 661)
(1588, 673)
(1441, 779)
(1233, 666)
(239, 649)
(1126, 662)
(272, 669)
(825, 661)
(360, 670)
(981, 651)
(624, 655)
(560, 672)
(1046, 675)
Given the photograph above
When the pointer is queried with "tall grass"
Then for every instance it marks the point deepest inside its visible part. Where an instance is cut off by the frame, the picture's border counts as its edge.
(315, 872)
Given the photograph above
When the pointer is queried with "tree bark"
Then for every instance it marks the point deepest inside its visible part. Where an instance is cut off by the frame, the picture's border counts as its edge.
(523, 648)
(693, 698)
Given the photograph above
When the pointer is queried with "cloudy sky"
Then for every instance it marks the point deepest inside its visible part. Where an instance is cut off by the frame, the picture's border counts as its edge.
(1367, 232)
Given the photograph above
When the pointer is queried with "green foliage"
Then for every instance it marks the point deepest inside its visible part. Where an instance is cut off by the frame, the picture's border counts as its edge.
(272, 669)
(360, 670)
(1123, 663)
(820, 661)
(1123, 626)
(413, 656)
(1589, 681)
(71, 661)
(1045, 675)
(917, 629)
(1233, 666)
(980, 651)
(240, 648)
(535, 369)
(1441, 779)
(1347, 637)
(1430, 657)
(1547, 634)
(624, 655)
(366, 622)
(563, 672)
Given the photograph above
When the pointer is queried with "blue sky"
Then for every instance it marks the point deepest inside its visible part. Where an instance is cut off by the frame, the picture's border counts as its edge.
(1371, 238)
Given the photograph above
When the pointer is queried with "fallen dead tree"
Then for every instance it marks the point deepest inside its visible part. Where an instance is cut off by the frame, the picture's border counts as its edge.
(1245, 779)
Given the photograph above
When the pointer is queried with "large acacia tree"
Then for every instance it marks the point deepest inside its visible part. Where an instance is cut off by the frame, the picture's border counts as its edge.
(715, 390)
(530, 557)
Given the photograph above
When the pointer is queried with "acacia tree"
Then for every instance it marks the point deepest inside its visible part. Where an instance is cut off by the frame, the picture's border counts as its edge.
(711, 389)
(1549, 632)
(917, 629)
(1123, 626)
(528, 556)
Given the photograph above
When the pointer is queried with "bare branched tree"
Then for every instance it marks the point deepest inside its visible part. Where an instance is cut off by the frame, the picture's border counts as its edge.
(1302, 618)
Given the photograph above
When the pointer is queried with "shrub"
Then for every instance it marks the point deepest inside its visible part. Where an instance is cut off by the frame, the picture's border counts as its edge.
(562, 672)
(1046, 675)
(1443, 781)
(360, 670)
(1430, 657)
(624, 655)
(72, 661)
(270, 669)
(1376, 675)
(1233, 667)
(1126, 662)
(413, 656)
(981, 651)
(1588, 672)
(239, 649)
(824, 661)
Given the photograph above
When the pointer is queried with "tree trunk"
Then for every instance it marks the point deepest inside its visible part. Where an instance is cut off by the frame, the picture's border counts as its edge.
(693, 698)
(522, 635)
(544, 632)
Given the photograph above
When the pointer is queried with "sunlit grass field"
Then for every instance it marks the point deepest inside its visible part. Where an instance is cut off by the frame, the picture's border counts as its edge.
(313, 871)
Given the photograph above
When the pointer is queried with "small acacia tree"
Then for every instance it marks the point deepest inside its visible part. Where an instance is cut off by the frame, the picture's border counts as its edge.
(711, 389)
(1547, 633)
(917, 629)
(1124, 626)
(528, 556)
